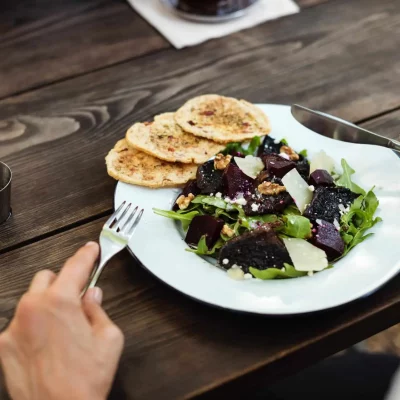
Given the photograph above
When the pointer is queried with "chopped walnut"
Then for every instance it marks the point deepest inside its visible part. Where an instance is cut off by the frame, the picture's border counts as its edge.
(226, 230)
(183, 202)
(221, 161)
(270, 188)
(290, 152)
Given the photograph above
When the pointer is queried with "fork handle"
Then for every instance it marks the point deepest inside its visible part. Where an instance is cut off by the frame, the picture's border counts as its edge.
(95, 275)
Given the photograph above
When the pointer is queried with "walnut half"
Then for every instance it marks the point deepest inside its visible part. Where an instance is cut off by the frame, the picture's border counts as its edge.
(270, 188)
(183, 202)
(221, 161)
(290, 152)
(226, 230)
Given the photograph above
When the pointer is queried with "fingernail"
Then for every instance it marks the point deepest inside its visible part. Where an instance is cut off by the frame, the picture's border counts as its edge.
(91, 244)
(97, 295)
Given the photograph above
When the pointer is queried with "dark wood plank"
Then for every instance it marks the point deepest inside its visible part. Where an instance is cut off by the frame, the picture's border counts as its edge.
(335, 57)
(45, 41)
(310, 3)
(387, 125)
(177, 348)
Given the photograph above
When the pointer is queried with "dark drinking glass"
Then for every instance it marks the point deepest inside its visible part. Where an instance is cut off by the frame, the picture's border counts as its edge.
(213, 8)
(5, 192)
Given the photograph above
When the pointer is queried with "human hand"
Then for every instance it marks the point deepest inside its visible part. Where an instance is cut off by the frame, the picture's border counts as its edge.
(58, 346)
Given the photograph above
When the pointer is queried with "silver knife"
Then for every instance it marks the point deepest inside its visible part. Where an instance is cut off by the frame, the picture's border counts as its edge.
(339, 129)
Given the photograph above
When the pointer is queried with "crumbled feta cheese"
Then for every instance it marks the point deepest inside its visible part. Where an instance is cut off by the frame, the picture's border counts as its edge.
(255, 207)
(234, 266)
(211, 194)
(285, 156)
(225, 261)
(341, 207)
(248, 276)
(336, 223)
(242, 201)
(277, 141)
(319, 221)
(311, 187)
(218, 195)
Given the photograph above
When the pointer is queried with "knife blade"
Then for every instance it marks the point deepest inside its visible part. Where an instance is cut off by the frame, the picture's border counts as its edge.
(339, 129)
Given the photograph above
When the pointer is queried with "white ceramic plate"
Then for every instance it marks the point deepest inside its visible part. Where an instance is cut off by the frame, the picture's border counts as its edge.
(158, 243)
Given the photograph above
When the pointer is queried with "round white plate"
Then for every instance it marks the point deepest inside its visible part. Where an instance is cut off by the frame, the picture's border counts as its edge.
(158, 243)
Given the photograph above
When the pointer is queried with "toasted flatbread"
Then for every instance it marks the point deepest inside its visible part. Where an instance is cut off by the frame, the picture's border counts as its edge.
(166, 140)
(133, 166)
(222, 119)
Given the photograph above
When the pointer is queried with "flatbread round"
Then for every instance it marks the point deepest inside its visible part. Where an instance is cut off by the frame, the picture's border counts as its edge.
(133, 166)
(222, 119)
(166, 140)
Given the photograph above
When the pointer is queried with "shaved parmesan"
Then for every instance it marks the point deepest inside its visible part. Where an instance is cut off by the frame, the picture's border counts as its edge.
(305, 256)
(250, 165)
(322, 161)
(298, 188)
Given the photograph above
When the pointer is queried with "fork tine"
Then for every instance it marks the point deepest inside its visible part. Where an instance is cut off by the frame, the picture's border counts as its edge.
(119, 219)
(129, 219)
(112, 218)
(135, 223)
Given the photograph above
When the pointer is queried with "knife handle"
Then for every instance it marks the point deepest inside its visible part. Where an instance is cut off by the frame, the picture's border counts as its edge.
(394, 145)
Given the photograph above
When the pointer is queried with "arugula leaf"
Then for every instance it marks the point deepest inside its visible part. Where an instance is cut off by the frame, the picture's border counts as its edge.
(211, 201)
(186, 219)
(233, 148)
(304, 153)
(360, 218)
(345, 179)
(202, 249)
(296, 226)
(253, 146)
(291, 210)
(276, 273)
(285, 142)
(238, 148)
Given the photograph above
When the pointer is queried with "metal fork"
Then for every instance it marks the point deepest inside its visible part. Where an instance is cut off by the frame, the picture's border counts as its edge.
(114, 237)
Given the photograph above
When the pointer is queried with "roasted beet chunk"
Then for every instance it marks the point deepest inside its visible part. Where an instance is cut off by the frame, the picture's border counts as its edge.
(235, 181)
(325, 203)
(204, 225)
(259, 204)
(320, 177)
(328, 238)
(269, 146)
(277, 165)
(190, 187)
(260, 248)
(303, 167)
(209, 179)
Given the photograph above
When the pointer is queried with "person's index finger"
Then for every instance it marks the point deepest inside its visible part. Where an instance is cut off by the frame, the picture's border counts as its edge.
(76, 271)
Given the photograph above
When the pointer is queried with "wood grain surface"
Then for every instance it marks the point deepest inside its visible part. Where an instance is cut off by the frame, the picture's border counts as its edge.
(55, 138)
(178, 348)
(339, 56)
(44, 41)
(387, 125)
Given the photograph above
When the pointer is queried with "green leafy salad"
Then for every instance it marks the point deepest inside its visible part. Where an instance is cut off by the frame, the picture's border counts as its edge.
(268, 212)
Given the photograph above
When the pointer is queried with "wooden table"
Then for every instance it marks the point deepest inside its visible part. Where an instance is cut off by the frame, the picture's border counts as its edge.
(74, 74)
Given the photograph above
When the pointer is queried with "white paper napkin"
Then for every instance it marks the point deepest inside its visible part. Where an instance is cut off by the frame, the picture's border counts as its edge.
(182, 33)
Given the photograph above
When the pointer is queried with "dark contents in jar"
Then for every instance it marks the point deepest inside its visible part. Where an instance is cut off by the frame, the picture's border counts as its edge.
(213, 7)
